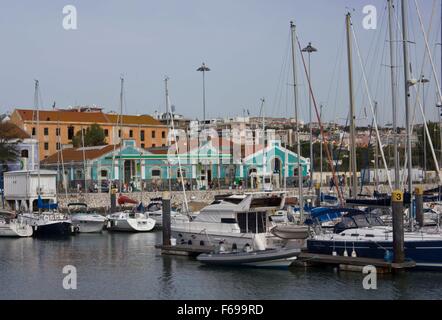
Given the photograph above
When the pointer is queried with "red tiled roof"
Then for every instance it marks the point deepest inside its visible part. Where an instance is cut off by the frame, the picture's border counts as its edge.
(9, 130)
(89, 117)
(75, 155)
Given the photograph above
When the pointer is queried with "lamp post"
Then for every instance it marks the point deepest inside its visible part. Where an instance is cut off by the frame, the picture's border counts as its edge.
(310, 49)
(423, 81)
(204, 69)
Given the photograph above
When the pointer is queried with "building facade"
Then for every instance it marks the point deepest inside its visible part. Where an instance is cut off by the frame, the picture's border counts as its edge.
(130, 168)
(57, 128)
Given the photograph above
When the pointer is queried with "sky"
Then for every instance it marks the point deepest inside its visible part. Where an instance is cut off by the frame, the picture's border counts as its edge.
(245, 43)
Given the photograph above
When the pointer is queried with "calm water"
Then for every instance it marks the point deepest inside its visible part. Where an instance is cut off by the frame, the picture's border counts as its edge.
(127, 266)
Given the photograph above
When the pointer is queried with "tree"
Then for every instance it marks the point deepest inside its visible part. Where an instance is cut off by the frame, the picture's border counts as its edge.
(8, 142)
(93, 136)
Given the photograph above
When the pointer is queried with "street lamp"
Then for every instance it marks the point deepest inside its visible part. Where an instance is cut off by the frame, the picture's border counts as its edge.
(310, 49)
(204, 69)
(423, 80)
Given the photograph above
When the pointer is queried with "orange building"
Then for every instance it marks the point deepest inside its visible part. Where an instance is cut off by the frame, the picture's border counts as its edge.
(58, 127)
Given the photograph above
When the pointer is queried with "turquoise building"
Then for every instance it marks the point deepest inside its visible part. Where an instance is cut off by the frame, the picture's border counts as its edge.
(158, 168)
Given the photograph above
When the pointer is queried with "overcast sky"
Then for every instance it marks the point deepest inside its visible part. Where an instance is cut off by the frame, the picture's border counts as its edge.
(244, 42)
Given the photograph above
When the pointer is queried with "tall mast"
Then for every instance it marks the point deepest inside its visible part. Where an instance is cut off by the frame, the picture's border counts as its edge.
(168, 114)
(376, 151)
(36, 106)
(120, 131)
(352, 110)
(264, 160)
(407, 97)
(393, 95)
(295, 91)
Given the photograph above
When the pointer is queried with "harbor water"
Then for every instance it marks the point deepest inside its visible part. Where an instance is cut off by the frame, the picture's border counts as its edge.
(128, 266)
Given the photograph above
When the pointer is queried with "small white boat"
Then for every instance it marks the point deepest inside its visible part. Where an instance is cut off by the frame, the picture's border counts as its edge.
(10, 227)
(129, 221)
(270, 258)
(85, 221)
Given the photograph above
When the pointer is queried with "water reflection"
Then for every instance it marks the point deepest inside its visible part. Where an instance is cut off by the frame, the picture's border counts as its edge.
(127, 266)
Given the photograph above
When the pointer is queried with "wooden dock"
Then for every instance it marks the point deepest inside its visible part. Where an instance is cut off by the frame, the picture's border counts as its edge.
(350, 263)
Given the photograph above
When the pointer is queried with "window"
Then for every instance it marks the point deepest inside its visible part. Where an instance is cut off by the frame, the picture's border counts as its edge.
(142, 145)
(153, 145)
(57, 131)
(34, 131)
(156, 173)
(142, 135)
(119, 133)
(153, 134)
(25, 153)
(46, 131)
(70, 133)
(180, 172)
(57, 146)
(106, 132)
(163, 134)
(163, 145)
(103, 173)
(46, 146)
(131, 133)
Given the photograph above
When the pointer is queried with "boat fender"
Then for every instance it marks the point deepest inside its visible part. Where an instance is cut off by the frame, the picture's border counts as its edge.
(109, 224)
(345, 253)
(353, 253)
(388, 257)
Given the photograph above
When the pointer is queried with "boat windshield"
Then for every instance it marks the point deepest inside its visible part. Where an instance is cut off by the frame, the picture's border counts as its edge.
(358, 221)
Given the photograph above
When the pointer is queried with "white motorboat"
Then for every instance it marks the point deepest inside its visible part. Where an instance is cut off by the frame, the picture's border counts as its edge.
(236, 221)
(85, 221)
(130, 221)
(155, 211)
(12, 227)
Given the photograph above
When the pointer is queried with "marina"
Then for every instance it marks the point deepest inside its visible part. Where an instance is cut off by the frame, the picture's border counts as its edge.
(126, 201)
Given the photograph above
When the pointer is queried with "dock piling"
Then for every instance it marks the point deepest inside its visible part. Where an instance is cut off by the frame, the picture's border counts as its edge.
(420, 206)
(398, 226)
(113, 201)
(166, 219)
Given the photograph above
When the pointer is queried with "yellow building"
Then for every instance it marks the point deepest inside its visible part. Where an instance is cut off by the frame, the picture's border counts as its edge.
(58, 127)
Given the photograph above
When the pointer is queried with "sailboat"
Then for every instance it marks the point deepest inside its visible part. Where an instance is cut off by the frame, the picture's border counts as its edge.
(364, 233)
(47, 222)
(10, 226)
(129, 220)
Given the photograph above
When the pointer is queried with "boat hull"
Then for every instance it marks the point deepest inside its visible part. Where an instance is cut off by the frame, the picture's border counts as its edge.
(88, 224)
(15, 230)
(131, 225)
(426, 254)
(54, 229)
(273, 258)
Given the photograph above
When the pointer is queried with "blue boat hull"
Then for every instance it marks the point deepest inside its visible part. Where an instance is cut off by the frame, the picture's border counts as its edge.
(426, 254)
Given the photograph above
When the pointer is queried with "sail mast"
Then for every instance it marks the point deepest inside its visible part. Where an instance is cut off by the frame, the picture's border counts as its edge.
(36, 105)
(393, 95)
(295, 91)
(352, 110)
(407, 99)
(120, 131)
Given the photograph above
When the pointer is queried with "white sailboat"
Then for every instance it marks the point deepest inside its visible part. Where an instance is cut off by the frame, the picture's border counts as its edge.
(13, 227)
(128, 221)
